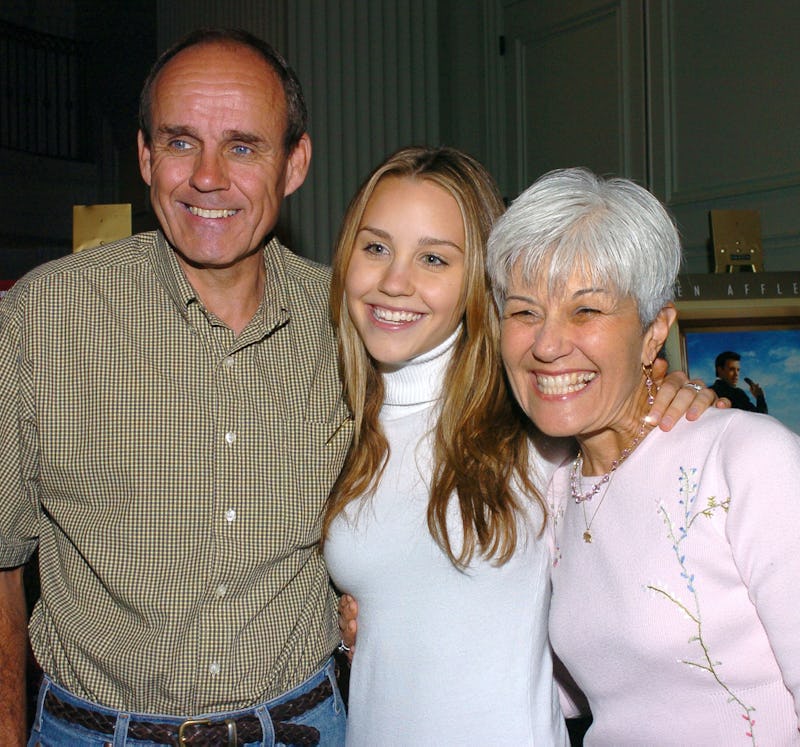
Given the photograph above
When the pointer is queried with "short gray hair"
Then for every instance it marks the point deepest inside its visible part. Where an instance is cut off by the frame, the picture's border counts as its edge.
(612, 230)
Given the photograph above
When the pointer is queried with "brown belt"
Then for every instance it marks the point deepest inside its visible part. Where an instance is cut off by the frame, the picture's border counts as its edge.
(202, 732)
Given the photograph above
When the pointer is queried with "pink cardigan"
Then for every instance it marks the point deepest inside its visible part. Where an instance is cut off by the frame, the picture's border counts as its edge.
(681, 620)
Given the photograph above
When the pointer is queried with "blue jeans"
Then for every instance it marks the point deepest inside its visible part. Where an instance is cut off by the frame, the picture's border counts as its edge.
(328, 717)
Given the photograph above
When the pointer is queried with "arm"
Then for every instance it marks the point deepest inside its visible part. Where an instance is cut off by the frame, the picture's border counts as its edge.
(573, 701)
(758, 393)
(348, 623)
(674, 399)
(18, 521)
(13, 651)
(763, 528)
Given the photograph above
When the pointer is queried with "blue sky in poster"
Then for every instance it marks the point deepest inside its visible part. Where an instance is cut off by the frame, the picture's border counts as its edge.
(769, 357)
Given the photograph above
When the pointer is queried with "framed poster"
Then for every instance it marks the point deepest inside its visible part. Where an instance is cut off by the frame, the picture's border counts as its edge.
(762, 326)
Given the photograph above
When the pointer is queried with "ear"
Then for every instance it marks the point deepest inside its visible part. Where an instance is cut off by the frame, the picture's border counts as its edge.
(657, 332)
(297, 164)
(145, 163)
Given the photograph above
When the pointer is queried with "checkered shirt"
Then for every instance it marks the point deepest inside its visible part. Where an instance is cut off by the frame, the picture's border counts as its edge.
(173, 476)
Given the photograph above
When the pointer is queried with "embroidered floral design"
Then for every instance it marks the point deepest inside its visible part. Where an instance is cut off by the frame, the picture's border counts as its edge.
(677, 532)
(556, 511)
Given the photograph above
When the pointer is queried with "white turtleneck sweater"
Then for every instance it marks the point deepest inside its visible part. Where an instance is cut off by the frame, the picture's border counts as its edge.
(444, 657)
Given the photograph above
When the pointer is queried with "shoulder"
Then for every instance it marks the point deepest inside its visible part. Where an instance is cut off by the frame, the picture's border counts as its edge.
(115, 257)
(730, 420)
(61, 277)
(300, 272)
(735, 434)
(302, 285)
(735, 394)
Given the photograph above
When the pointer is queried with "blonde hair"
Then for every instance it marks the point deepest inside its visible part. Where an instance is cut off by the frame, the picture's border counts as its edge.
(481, 440)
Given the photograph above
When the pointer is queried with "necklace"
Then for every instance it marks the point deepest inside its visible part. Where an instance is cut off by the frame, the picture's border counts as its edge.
(575, 481)
(587, 534)
(577, 467)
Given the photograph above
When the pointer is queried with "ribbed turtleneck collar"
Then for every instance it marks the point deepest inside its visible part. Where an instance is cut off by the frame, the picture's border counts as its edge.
(420, 380)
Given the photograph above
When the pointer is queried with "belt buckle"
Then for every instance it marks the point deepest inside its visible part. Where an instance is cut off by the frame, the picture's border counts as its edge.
(229, 723)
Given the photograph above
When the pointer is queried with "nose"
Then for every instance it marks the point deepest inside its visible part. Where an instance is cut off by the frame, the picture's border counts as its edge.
(550, 341)
(397, 279)
(210, 172)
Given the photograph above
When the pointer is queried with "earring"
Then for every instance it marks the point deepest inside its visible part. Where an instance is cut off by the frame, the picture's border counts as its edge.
(647, 370)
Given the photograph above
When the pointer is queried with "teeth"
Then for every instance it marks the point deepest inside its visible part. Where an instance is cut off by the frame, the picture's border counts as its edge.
(563, 383)
(386, 315)
(203, 213)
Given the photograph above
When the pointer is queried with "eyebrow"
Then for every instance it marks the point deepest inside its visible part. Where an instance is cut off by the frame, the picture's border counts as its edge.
(238, 135)
(424, 241)
(577, 294)
(587, 291)
(174, 130)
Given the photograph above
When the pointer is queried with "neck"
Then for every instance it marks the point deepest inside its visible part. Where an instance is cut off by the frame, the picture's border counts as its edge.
(232, 294)
(420, 379)
(605, 449)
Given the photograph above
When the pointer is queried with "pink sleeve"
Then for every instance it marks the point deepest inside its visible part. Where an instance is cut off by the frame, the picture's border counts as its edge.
(761, 463)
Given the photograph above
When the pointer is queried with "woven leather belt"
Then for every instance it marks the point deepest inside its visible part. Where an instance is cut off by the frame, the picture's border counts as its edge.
(201, 732)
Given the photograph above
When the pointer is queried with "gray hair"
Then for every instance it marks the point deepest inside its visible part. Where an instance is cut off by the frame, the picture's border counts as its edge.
(611, 230)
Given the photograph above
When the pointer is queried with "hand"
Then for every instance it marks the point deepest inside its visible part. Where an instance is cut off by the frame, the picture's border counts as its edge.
(674, 400)
(755, 389)
(348, 623)
(13, 642)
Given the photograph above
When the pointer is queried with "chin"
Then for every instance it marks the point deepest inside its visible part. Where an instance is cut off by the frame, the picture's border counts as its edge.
(551, 424)
(556, 431)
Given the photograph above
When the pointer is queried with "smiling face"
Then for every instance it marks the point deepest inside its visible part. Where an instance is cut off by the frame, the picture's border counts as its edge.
(403, 285)
(216, 165)
(574, 357)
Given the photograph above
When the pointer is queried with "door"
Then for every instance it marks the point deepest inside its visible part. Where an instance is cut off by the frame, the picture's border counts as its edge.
(575, 88)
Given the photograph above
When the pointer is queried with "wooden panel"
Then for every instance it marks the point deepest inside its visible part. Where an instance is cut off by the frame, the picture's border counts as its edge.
(734, 97)
(575, 88)
(370, 72)
(265, 18)
(724, 104)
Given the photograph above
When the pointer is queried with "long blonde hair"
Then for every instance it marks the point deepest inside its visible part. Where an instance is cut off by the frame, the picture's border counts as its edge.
(481, 440)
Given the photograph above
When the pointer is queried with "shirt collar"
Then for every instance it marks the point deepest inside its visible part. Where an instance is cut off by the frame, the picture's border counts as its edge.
(274, 309)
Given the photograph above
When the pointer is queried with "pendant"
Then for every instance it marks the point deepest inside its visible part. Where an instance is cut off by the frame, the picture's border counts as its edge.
(587, 536)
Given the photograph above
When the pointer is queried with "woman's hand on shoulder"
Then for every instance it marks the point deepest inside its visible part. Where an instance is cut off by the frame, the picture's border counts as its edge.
(679, 397)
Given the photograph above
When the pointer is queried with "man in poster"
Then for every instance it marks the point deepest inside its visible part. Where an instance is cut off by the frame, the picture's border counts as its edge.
(728, 366)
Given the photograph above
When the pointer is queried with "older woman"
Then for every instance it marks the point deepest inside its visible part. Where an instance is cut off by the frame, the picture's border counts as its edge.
(676, 603)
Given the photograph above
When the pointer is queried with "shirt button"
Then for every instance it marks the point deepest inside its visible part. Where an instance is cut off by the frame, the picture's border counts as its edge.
(222, 590)
(228, 362)
(230, 437)
(230, 515)
(214, 669)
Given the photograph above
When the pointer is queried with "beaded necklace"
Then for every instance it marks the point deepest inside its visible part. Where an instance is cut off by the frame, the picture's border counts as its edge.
(577, 466)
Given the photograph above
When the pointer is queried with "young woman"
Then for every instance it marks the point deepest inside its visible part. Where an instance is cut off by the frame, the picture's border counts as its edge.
(435, 523)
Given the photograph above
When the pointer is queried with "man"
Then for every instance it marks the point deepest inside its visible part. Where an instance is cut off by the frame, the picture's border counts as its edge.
(171, 422)
(728, 366)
